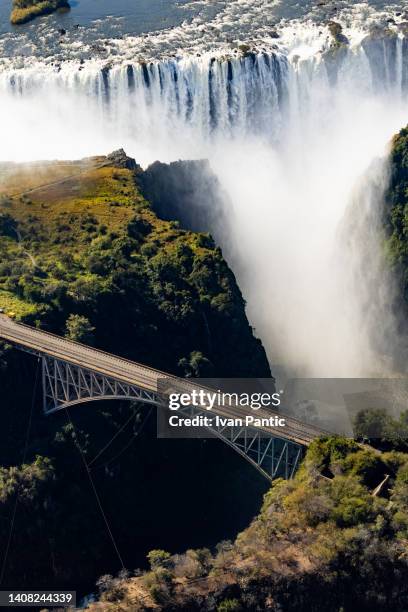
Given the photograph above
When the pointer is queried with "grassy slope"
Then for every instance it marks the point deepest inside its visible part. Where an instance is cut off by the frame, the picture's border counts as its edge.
(72, 191)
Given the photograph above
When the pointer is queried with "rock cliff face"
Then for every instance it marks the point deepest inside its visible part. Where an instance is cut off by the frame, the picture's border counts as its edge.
(82, 253)
(189, 192)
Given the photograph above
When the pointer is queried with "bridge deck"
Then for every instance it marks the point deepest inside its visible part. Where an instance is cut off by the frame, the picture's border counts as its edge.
(44, 343)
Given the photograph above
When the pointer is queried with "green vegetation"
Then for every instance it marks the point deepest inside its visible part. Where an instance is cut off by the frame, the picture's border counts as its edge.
(13, 304)
(85, 255)
(319, 543)
(27, 10)
(26, 481)
(382, 430)
(79, 329)
(158, 558)
(396, 212)
(229, 605)
(82, 253)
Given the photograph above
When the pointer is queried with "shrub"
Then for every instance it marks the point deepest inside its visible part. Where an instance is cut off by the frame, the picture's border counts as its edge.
(229, 605)
(139, 227)
(308, 504)
(193, 564)
(371, 424)
(400, 489)
(196, 365)
(79, 329)
(352, 502)
(158, 558)
(325, 452)
(158, 583)
(367, 465)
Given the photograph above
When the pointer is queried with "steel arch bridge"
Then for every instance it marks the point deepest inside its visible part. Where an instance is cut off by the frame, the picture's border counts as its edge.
(65, 385)
(74, 373)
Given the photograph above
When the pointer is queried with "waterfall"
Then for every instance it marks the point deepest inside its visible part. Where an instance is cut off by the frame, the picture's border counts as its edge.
(288, 133)
(202, 96)
(190, 101)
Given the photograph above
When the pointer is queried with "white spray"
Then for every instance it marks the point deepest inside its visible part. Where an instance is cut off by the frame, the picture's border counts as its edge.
(289, 142)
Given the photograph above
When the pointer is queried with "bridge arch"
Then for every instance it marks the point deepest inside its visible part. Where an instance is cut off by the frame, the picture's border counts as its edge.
(66, 385)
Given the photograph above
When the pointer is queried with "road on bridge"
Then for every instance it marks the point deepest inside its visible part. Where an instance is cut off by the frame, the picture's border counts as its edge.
(123, 370)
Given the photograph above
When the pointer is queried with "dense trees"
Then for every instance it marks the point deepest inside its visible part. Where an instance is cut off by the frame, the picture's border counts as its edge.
(382, 430)
(99, 266)
(396, 210)
(79, 329)
(320, 542)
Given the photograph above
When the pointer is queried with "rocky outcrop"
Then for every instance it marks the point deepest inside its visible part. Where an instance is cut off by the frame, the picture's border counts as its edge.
(189, 192)
(119, 159)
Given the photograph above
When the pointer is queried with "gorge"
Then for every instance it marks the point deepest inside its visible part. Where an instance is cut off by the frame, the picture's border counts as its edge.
(255, 227)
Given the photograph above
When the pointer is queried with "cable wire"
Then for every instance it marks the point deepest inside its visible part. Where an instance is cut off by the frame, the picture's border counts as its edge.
(95, 492)
(27, 438)
(111, 440)
(123, 450)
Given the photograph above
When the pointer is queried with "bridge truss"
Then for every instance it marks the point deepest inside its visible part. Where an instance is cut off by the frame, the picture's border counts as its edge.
(273, 456)
(65, 385)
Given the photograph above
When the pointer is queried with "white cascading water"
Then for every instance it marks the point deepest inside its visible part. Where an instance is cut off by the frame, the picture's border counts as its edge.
(290, 134)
